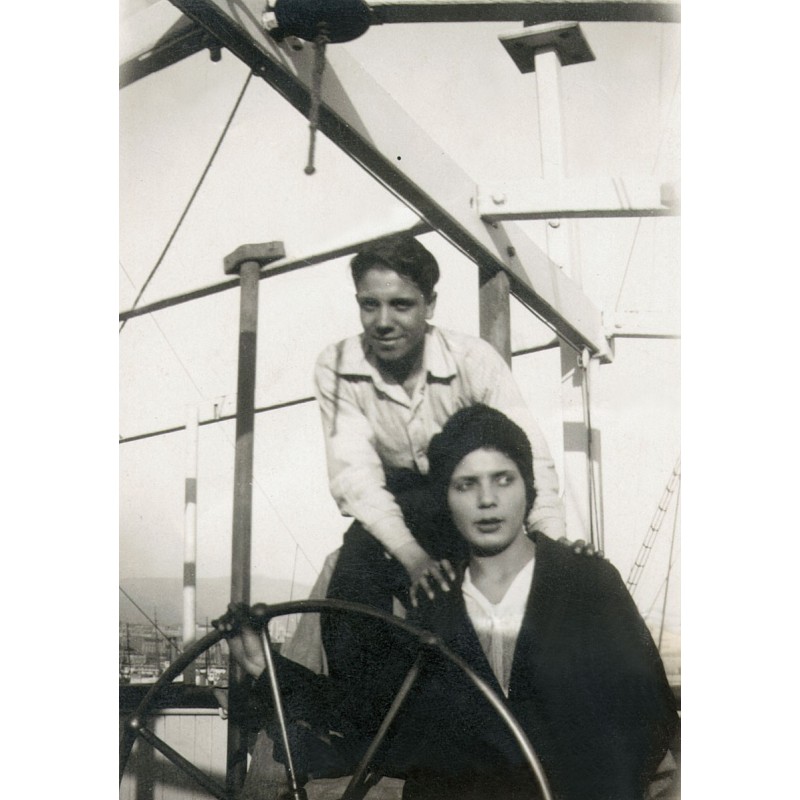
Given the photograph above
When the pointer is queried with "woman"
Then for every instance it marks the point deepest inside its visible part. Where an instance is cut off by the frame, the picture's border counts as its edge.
(553, 632)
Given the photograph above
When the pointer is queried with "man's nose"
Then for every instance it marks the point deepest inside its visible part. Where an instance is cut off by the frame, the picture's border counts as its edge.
(384, 318)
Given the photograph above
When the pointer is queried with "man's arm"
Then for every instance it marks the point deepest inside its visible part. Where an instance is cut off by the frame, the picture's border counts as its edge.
(495, 386)
(357, 479)
(355, 471)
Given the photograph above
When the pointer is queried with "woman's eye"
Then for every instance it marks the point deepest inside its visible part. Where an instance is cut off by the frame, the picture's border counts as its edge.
(461, 486)
(505, 480)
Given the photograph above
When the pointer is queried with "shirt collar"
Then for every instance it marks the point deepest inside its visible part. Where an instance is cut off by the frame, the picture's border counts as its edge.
(515, 598)
(437, 360)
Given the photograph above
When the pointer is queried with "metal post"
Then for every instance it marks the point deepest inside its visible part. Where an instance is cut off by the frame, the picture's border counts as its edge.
(559, 248)
(245, 422)
(543, 49)
(190, 540)
(247, 260)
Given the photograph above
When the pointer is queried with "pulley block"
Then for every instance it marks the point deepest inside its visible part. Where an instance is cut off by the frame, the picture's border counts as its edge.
(341, 20)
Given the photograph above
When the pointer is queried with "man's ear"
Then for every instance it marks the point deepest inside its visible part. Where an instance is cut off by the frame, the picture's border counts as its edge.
(431, 306)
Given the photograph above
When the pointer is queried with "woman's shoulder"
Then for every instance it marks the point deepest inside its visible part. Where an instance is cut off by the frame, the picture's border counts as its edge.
(587, 571)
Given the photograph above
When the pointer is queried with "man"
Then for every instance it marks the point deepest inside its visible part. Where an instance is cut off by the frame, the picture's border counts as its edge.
(383, 395)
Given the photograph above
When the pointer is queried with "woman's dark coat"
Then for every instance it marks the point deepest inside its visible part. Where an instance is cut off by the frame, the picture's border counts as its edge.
(587, 686)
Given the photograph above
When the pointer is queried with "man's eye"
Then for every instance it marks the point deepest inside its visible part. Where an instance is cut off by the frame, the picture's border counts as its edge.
(403, 306)
(368, 305)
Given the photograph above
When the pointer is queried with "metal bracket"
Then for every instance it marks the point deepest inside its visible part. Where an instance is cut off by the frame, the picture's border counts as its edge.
(566, 38)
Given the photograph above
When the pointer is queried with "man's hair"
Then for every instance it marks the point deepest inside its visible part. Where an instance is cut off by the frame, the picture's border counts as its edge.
(403, 254)
(473, 428)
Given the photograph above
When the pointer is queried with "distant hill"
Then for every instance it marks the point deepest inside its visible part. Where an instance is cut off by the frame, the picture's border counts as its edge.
(165, 597)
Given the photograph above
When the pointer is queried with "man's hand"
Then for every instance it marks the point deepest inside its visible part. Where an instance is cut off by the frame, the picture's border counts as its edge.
(581, 548)
(424, 572)
(247, 649)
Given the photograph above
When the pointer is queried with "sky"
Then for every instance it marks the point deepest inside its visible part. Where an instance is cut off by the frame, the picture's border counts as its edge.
(621, 117)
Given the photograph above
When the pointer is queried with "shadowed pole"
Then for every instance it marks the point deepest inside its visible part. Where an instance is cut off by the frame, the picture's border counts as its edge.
(494, 310)
(247, 261)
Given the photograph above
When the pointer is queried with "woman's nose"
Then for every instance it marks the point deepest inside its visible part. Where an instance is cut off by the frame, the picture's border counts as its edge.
(486, 496)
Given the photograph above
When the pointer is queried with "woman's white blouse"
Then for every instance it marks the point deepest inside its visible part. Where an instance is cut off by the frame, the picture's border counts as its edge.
(498, 624)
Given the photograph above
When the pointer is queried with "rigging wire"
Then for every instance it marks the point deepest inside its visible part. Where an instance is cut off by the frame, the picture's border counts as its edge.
(168, 343)
(170, 640)
(628, 263)
(669, 568)
(662, 139)
(652, 532)
(193, 195)
(257, 484)
(663, 583)
(664, 130)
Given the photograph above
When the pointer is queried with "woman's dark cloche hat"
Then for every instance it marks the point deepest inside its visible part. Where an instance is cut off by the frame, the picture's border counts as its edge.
(473, 428)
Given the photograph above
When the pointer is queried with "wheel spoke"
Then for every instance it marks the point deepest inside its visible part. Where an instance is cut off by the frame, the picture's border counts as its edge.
(357, 782)
(190, 769)
(297, 792)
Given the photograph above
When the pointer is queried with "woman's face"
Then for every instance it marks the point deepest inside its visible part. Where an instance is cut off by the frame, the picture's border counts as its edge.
(486, 497)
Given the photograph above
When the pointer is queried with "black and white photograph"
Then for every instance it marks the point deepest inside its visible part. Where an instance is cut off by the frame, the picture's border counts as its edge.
(400, 376)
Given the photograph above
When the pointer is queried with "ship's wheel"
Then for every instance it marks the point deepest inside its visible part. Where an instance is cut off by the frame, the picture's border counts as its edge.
(259, 616)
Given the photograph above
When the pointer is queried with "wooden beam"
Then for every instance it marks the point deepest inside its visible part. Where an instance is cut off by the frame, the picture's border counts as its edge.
(579, 197)
(155, 38)
(360, 117)
(220, 409)
(284, 265)
(530, 11)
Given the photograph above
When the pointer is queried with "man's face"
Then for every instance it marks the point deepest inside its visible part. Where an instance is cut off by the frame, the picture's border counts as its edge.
(486, 497)
(394, 313)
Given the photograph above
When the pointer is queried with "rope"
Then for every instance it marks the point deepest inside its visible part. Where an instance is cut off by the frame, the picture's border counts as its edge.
(193, 196)
(652, 531)
(320, 41)
(669, 568)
